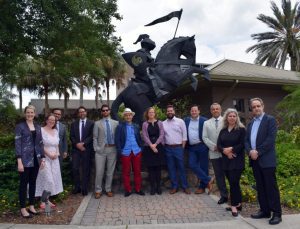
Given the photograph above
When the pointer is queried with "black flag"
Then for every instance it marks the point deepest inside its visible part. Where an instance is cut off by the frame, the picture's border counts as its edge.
(167, 17)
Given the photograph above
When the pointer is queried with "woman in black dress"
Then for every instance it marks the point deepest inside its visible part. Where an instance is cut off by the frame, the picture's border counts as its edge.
(231, 144)
(153, 155)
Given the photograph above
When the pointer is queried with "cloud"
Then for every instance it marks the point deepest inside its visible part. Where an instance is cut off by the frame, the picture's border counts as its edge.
(222, 28)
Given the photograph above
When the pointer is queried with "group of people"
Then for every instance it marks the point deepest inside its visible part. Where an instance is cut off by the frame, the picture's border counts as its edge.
(221, 140)
(38, 158)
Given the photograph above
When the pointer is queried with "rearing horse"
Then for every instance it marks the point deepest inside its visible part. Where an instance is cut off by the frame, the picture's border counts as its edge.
(174, 63)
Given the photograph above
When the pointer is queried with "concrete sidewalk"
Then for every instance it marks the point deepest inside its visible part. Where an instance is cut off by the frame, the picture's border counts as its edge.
(289, 222)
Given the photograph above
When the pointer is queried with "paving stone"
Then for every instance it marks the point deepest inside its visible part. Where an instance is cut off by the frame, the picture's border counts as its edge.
(178, 208)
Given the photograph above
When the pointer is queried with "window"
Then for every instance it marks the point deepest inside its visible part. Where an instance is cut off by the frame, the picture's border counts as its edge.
(239, 105)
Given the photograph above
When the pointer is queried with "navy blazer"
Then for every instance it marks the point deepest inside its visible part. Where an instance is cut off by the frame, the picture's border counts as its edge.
(121, 134)
(87, 137)
(201, 123)
(24, 146)
(63, 144)
(265, 141)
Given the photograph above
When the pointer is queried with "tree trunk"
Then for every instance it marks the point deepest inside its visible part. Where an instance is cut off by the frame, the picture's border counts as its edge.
(294, 66)
(81, 92)
(66, 98)
(97, 93)
(20, 99)
(107, 90)
(46, 99)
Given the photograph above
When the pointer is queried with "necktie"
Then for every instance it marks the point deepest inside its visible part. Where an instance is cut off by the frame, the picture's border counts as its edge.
(108, 133)
(82, 130)
(216, 123)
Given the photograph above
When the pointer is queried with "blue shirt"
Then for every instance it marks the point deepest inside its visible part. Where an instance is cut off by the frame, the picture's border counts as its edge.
(194, 131)
(254, 130)
(130, 144)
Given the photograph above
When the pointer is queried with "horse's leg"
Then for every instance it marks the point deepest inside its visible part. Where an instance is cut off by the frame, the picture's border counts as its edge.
(115, 106)
(188, 73)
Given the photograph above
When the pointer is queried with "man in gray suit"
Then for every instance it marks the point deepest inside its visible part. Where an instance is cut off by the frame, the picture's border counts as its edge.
(211, 130)
(105, 151)
(62, 132)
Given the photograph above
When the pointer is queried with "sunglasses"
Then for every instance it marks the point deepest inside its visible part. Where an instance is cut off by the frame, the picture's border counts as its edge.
(104, 110)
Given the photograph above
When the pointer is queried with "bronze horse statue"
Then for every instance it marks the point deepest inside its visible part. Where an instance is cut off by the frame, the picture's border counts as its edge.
(153, 80)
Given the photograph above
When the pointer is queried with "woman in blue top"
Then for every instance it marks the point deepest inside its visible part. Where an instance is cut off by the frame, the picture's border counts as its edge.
(30, 157)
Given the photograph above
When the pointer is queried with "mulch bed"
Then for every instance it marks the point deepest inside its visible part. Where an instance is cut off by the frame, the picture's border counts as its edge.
(62, 214)
(250, 208)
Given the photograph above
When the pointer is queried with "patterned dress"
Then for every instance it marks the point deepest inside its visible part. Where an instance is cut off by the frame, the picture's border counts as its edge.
(49, 178)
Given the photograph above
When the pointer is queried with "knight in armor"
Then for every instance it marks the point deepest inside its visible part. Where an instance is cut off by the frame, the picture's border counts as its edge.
(146, 75)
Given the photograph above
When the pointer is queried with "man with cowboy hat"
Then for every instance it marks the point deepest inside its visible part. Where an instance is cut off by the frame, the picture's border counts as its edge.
(128, 143)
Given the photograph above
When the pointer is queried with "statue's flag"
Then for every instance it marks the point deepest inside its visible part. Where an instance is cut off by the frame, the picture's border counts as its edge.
(167, 17)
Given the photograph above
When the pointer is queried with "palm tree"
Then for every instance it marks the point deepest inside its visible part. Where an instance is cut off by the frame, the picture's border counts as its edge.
(114, 68)
(275, 47)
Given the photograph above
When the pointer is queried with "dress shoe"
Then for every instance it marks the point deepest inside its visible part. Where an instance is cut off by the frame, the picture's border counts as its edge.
(260, 215)
(222, 200)
(98, 195)
(76, 190)
(26, 216)
(109, 194)
(234, 214)
(141, 192)
(126, 194)
(276, 219)
(210, 185)
(158, 191)
(186, 191)
(173, 191)
(199, 191)
(239, 208)
(33, 212)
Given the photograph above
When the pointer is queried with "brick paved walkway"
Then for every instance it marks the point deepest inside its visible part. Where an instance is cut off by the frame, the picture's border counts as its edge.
(177, 208)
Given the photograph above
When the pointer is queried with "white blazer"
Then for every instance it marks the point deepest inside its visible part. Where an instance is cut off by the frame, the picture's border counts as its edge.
(210, 136)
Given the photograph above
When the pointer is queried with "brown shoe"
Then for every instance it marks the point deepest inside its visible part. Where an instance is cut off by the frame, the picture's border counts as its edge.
(173, 191)
(199, 191)
(98, 195)
(210, 185)
(186, 191)
(109, 194)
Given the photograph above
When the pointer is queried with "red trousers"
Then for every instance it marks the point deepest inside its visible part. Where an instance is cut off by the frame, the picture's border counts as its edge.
(135, 161)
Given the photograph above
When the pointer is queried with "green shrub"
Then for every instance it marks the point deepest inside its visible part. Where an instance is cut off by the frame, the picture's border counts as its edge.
(7, 141)
(295, 133)
(283, 136)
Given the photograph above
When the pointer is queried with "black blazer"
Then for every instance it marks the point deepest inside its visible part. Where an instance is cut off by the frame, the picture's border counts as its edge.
(265, 141)
(87, 137)
(235, 139)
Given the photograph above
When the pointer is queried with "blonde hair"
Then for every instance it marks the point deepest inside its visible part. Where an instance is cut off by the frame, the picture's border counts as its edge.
(238, 123)
(29, 107)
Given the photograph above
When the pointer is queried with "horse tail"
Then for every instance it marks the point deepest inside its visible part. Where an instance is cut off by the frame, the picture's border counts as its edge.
(115, 106)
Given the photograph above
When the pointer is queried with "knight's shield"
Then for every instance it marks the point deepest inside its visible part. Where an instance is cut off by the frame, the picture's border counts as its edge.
(136, 60)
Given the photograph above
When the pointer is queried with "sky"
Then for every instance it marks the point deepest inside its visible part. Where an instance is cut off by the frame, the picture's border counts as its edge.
(222, 28)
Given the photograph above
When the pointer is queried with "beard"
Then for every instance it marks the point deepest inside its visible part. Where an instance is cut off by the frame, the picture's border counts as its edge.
(170, 116)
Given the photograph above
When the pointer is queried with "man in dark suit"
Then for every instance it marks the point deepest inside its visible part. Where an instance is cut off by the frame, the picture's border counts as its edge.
(81, 135)
(198, 151)
(62, 132)
(260, 146)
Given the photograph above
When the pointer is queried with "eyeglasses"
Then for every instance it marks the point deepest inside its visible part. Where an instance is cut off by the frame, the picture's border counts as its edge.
(104, 110)
(57, 114)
